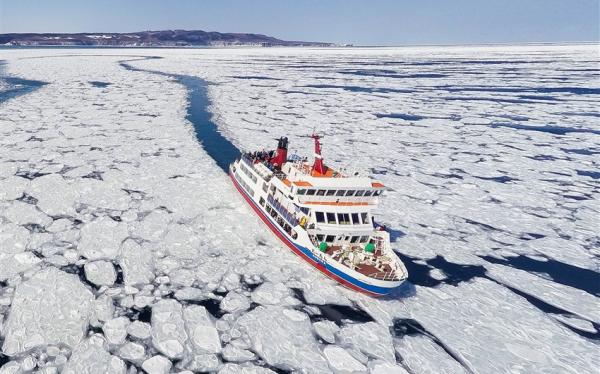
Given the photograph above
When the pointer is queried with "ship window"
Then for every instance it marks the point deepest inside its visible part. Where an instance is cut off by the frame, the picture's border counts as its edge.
(268, 208)
(368, 193)
(310, 192)
(344, 218)
(376, 193)
(350, 193)
(365, 218)
(360, 193)
(264, 187)
(364, 239)
(331, 218)
(330, 238)
(320, 217)
(320, 192)
(355, 219)
(320, 237)
(330, 192)
(340, 193)
(354, 239)
(301, 191)
(262, 201)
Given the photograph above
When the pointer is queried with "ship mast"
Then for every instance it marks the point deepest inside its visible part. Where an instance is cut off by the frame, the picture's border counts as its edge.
(318, 165)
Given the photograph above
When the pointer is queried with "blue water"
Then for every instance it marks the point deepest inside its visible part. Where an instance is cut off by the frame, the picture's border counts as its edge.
(18, 86)
(99, 84)
(551, 129)
(207, 132)
(406, 117)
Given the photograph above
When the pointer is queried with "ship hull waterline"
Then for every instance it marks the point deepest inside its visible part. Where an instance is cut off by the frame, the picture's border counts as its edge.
(347, 281)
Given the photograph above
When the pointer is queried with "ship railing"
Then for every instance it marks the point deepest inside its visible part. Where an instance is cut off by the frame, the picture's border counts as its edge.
(388, 275)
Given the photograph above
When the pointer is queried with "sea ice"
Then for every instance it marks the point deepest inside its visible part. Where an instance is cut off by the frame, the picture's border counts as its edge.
(49, 296)
(266, 326)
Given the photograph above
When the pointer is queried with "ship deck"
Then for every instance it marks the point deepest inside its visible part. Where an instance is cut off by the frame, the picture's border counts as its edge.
(376, 266)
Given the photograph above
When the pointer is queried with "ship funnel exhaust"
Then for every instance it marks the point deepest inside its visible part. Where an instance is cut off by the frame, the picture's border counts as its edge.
(281, 156)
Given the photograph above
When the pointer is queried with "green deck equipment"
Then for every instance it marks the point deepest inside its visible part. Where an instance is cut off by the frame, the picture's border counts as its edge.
(323, 247)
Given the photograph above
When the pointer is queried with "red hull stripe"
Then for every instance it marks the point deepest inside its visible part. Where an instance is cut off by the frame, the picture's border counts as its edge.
(297, 251)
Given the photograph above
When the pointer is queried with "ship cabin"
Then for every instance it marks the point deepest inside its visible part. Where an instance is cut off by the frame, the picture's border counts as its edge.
(333, 206)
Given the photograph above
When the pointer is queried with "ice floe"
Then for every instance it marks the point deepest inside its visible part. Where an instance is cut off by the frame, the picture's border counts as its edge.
(490, 151)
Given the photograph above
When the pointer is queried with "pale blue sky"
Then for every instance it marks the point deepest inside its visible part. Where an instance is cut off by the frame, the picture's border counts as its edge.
(367, 22)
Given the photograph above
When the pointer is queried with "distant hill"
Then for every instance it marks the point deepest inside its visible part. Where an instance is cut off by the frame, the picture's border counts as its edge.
(166, 38)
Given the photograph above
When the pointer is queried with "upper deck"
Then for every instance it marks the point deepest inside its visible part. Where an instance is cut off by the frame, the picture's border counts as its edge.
(312, 184)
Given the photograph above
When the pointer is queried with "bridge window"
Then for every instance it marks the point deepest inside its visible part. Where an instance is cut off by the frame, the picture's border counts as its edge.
(365, 218)
(301, 191)
(376, 193)
(354, 239)
(320, 217)
(350, 193)
(320, 192)
(331, 218)
(355, 219)
(262, 201)
(343, 218)
(330, 238)
(310, 192)
(364, 239)
(340, 193)
(320, 237)
(368, 193)
(359, 193)
(330, 192)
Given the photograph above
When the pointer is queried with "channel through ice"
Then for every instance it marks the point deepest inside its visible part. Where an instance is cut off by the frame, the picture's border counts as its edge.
(124, 248)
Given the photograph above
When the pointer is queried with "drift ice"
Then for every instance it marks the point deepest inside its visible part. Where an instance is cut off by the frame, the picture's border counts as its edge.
(322, 215)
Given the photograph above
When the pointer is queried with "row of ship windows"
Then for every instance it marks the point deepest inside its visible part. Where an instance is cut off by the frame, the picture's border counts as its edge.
(343, 218)
(339, 193)
(248, 172)
(351, 239)
(244, 184)
(278, 218)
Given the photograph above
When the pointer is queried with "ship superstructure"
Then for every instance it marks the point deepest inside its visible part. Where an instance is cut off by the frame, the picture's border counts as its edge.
(323, 215)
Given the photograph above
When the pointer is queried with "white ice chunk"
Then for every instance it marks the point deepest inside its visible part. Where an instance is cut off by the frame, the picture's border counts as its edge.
(52, 307)
(101, 273)
(101, 239)
(244, 369)
(56, 197)
(232, 353)
(115, 330)
(270, 293)
(157, 365)
(201, 330)
(137, 264)
(22, 213)
(326, 330)
(341, 362)
(168, 329)
(133, 352)
(140, 330)
(234, 302)
(371, 338)
(382, 367)
(92, 357)
(283, 338)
